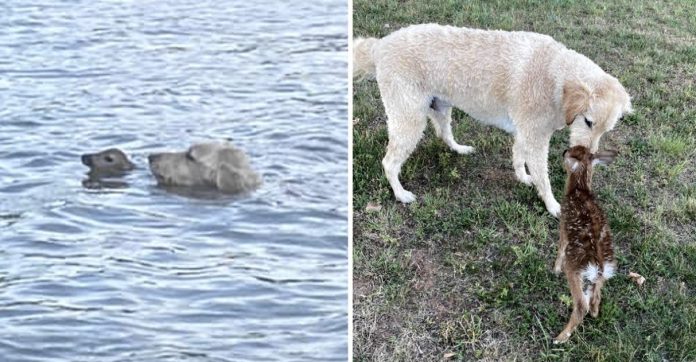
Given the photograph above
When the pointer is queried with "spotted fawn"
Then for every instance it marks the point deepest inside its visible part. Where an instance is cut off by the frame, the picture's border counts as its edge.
(585, 251)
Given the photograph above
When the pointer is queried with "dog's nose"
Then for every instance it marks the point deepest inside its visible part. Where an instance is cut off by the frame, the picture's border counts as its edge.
(87, 160)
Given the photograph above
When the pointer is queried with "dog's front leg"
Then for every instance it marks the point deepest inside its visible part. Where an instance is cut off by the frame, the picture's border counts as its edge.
(518, 152)
(536, 155)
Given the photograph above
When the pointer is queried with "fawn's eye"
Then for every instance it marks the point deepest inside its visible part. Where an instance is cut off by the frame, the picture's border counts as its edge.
(588, 123)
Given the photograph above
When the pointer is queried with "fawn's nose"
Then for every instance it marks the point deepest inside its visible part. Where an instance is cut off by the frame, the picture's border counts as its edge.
(87, 160)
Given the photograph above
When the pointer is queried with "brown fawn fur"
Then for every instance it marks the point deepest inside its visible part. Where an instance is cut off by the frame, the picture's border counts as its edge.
(585, 251)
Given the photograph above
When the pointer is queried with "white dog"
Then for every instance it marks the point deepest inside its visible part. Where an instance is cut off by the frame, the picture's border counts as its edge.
(215, 165)
(524, 83)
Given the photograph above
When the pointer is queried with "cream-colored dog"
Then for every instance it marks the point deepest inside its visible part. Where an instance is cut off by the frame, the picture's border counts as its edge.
(524, 83)
(215, 165)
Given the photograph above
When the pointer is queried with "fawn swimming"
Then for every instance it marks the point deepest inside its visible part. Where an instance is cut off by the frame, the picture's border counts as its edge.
(111, 161)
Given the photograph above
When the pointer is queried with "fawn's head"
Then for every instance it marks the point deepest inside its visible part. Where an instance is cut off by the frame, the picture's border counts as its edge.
(579, 162)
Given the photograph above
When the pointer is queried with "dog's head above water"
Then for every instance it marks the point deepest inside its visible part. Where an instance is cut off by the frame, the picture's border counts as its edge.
(215, 165)
(108, 162)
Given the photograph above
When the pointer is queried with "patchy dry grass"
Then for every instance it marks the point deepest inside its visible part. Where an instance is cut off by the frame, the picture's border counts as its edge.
(465, 272)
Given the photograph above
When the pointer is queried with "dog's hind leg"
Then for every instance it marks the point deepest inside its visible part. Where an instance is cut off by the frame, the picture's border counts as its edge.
(437, 106)
(440, 115)
(406, 121)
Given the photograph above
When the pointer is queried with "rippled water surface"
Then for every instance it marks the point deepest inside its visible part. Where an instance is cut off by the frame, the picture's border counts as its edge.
(127, 271)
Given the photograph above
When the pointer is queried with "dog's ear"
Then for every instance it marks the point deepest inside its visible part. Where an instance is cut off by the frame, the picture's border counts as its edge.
(576, 99)
(234, 174)
(231, 179)
(603, 157)
(231, 156)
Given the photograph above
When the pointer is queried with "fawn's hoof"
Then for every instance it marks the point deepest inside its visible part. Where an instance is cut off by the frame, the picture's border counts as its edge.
(558, 268)
(561, 338)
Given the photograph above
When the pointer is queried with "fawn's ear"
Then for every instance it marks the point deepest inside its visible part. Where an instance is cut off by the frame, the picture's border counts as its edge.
(603, 157)
(571, 163)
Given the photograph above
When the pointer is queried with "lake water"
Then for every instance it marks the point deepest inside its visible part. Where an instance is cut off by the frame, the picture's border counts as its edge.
(127, 271)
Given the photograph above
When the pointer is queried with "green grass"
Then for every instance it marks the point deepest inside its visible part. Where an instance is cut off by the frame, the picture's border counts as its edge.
(465, 272)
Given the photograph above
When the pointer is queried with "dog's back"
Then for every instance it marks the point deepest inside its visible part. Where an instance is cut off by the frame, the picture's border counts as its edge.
(432, 46)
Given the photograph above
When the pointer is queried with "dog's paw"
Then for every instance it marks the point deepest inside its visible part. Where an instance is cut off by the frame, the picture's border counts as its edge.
(524, 178)
(554, 208)
(406, 197)
(463, 150)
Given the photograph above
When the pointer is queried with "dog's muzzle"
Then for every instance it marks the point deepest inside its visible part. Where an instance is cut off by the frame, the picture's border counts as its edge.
(153, 160)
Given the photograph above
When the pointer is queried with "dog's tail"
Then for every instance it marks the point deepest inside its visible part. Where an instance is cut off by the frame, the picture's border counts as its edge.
(363, 60)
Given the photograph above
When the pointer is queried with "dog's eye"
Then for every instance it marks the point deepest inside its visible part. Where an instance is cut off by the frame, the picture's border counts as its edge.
(109, 159)
(588, 123)
(189, 156)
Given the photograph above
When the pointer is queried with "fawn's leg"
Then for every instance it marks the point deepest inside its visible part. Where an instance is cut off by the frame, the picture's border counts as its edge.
(596, 297)
(579, 306)
(562, 243)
